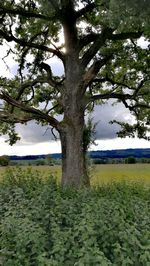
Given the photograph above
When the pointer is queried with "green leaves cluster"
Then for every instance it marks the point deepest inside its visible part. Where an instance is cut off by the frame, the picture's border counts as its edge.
(43, 225)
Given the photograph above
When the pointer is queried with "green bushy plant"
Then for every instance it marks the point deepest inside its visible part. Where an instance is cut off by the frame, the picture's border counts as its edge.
(41, 224)
(4, 160)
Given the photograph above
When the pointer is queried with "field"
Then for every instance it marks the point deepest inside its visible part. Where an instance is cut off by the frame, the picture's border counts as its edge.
(103, 174)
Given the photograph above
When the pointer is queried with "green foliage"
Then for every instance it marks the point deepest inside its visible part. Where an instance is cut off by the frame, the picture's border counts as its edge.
(43, 225)
(36, 28)
(130, 160)
(40, 162)
(4, 160)
(89, 134)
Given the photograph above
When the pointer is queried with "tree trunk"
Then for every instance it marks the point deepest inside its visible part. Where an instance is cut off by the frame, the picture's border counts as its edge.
(74, 171)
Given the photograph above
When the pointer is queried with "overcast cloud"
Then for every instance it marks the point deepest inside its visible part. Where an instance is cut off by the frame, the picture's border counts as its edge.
(34, 133)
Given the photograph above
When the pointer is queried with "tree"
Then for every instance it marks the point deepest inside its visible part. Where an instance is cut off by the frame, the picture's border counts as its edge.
(101, 58)
(4, 160)
(130, 160)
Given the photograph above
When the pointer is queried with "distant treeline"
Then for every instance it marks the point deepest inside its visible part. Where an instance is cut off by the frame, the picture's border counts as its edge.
(129, 156)
(112, 154)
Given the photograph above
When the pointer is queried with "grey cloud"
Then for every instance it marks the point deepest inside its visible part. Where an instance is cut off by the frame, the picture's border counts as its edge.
(104, 114)
(33, 133)
(57, 68)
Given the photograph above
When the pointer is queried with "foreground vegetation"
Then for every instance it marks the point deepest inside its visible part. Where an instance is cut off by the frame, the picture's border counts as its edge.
(43, 225)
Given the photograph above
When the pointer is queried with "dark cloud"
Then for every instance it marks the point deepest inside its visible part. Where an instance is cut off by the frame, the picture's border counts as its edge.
(104, 114)
(34, 133)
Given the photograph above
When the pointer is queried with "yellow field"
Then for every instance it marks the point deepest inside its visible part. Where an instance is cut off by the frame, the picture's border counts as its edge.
(102, 174)
(120, 172)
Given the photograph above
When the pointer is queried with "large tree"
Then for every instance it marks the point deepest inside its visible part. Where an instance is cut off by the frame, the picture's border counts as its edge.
(102, 60)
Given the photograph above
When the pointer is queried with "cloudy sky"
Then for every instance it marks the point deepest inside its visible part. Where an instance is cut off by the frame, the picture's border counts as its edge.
(39, 140)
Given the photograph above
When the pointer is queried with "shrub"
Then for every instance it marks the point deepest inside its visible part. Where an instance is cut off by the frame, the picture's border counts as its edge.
(130, 160)
(39, 162)
(43, 225)
(4, 160)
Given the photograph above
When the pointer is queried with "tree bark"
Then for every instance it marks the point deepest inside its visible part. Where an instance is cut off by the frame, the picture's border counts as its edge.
(74, 170)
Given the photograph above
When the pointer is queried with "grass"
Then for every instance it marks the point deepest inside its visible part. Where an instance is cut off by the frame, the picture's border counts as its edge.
(102, 174)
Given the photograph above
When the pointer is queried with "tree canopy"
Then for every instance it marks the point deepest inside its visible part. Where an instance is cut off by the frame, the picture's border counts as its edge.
(97, 43)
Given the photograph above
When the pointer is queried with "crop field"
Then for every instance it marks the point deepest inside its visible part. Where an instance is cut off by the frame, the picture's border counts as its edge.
(101, 174)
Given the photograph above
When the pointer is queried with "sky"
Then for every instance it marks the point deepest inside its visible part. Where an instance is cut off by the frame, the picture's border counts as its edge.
(39, 140)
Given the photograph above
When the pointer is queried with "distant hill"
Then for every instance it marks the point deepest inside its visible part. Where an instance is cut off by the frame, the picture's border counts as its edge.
(137, 153)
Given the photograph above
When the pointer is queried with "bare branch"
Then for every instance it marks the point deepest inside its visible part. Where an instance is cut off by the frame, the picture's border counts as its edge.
(55, 137)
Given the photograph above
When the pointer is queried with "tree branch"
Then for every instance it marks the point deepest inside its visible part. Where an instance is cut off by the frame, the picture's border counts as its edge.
(84, 10)
(27, 109)
(106, 34)
(28, 84)
(24, 13)
(11, 118)
(125, 36)
(94, 69)
(121, 97)
(98, 43)
(87, 39)
(48, 70)
(23, 42)
(113, 82)
(52, 108)
(110, 95)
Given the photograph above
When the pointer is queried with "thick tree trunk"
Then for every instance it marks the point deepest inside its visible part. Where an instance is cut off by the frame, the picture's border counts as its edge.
(74, 171)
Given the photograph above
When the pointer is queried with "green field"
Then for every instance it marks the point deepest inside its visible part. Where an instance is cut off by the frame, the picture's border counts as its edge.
(102, 174)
